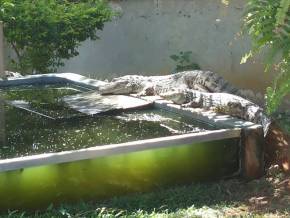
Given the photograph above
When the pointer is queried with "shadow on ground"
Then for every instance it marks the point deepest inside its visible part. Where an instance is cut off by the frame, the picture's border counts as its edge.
(267, 195)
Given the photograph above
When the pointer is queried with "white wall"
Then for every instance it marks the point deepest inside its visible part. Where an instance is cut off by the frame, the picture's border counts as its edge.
(149, 31)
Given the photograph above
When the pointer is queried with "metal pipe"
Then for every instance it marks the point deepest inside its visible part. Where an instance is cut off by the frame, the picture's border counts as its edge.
(2, 68)
(2, 121)
(2, 75)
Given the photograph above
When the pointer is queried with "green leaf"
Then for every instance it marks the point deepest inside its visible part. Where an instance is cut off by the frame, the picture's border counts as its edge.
(174, 57)
(246, 57)
(268, 24)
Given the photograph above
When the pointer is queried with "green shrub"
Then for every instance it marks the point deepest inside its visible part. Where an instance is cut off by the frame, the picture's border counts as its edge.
(183, 61)
(45, 32)
(268, 24)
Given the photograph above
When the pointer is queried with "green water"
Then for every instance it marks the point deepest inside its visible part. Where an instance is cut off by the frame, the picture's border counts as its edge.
(38, 187)
(45, 99)
(47, 94)
(25, 133)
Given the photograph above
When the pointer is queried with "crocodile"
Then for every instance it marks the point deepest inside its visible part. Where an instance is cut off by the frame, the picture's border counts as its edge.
(225, 103)
(205, 81)
(203, 89)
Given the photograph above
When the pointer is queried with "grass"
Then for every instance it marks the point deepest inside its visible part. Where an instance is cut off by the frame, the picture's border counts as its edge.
(268, 196)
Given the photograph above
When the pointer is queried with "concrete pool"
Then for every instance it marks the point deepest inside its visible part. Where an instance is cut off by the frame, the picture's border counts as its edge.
(226, 147)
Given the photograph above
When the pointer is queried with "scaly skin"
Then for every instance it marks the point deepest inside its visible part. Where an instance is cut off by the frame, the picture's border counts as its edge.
(205, 81)
(197, 88)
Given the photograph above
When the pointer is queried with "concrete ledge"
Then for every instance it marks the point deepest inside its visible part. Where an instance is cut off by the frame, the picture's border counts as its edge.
(52, 79)
(219, 120)
(106, 150)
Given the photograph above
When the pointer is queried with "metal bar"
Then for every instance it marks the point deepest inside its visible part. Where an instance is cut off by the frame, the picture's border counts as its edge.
(2, 121)
(22, 107)
(2, 68)
(2, 75)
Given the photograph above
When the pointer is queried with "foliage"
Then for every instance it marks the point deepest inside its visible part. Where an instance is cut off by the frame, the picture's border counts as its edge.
(268, 24)
(283, 120)
(184, 61)
(45, 32)
(276, 94)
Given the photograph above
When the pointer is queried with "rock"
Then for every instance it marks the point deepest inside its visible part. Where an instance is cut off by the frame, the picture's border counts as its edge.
(10, 74)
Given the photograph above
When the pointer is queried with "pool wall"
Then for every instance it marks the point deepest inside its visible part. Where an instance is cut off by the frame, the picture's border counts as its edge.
(111, 175)
(235, 150)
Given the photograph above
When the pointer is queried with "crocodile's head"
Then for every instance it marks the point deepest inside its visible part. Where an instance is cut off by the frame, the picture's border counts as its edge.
(119, 87)
(122, 85)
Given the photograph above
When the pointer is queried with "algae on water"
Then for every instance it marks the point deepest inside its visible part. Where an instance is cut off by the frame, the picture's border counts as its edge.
(29, 133)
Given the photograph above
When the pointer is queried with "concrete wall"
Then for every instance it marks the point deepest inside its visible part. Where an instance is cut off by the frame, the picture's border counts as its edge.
(149, 31)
